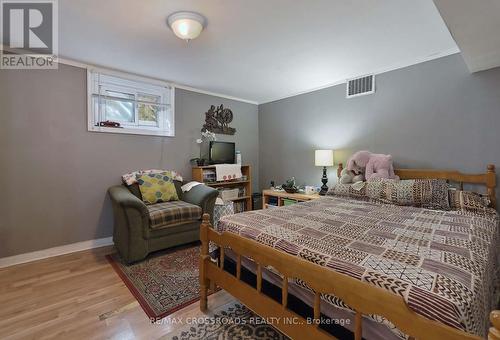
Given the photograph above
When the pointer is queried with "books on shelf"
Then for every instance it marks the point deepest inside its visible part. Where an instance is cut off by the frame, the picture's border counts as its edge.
(209, 175)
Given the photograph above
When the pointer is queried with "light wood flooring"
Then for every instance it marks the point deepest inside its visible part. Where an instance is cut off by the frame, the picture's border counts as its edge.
(78, 296)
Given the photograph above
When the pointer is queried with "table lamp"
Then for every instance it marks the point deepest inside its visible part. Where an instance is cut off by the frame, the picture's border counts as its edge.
(323, 158)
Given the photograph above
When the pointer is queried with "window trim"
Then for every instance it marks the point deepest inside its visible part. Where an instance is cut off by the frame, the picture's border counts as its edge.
(133, 79)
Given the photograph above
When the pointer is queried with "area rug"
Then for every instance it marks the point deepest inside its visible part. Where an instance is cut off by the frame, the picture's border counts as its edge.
(230, 321)
(162, 283)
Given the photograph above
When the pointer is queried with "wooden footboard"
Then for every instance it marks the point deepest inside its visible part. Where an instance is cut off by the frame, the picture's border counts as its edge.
(361, 297)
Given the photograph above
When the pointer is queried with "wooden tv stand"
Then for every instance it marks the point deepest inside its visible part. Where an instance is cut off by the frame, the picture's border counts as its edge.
(197, 173)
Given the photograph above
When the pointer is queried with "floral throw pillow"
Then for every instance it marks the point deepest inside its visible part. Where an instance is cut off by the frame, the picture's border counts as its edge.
(157, 187)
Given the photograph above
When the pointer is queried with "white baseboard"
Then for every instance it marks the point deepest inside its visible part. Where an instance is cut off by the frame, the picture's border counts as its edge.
(56, 251)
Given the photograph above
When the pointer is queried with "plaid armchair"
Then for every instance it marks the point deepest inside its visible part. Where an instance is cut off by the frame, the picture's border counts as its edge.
(140, 229)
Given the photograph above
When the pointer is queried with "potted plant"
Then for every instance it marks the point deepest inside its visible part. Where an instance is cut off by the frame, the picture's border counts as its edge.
(206, 137)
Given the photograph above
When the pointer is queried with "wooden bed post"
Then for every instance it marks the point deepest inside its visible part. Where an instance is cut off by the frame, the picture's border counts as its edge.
(494, 333)
(491, 184)
(204, 258)
(339, 169)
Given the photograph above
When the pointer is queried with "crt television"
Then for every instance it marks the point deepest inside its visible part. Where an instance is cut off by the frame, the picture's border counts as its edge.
(221, 153)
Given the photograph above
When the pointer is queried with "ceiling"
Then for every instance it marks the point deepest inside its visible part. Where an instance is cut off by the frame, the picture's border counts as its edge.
(475, 25)
(257, 50)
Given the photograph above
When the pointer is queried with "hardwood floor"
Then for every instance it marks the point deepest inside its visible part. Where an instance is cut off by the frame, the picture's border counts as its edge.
(78, 296)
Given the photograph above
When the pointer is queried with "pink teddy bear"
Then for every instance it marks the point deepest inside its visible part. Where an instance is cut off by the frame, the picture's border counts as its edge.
(374, 165)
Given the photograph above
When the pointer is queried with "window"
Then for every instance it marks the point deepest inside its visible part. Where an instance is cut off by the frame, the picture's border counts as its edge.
(122, 104)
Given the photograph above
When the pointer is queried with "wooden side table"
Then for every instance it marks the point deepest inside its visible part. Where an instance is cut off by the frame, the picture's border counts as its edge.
(284, 198)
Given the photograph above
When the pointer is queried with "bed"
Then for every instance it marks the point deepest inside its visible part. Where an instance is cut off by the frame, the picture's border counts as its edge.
(421, 273)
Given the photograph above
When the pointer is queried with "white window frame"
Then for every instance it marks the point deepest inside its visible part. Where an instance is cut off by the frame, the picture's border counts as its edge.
(99, 79)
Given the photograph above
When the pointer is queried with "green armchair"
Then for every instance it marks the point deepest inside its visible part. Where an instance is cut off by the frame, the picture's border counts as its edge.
(140, 229)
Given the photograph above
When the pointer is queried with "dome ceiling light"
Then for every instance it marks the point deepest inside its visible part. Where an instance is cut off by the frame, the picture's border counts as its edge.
(186, 25)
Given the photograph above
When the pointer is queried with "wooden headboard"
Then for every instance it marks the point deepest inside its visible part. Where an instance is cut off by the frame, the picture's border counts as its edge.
(488, 179)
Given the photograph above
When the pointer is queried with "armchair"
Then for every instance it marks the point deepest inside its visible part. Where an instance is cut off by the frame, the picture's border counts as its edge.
(140, 229)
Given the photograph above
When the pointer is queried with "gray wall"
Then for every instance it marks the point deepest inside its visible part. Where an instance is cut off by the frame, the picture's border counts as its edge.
(431, 115)
(54, 173)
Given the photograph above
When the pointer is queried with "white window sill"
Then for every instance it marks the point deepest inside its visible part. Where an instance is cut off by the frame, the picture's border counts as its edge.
(129, 131)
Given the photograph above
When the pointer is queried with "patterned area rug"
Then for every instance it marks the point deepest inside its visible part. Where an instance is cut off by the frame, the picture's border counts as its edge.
(162, 283)
(231, 321)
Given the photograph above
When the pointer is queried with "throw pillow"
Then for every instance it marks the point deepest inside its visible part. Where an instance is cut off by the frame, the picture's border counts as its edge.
(157, 187)
(341, 189)
(368, 190)
(467, 200)
(131, 177)
(425, 193)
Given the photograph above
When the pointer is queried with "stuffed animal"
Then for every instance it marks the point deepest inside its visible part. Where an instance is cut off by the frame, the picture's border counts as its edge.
(371, 164)
(347, 177)
(357, 163)
(380, 166)
(354, 172)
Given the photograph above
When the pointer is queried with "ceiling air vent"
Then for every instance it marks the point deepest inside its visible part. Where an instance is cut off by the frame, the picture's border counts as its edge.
(360, 86)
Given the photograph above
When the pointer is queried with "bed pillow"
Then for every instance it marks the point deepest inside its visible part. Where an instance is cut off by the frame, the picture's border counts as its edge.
(367, 190)
(157, 187)
(341, 189)
(468, 200)
(424, 193)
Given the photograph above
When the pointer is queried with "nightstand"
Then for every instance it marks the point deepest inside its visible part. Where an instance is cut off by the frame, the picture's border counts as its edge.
(283, 198)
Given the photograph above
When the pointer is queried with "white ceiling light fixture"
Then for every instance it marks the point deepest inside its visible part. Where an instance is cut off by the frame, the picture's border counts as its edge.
(186, 25)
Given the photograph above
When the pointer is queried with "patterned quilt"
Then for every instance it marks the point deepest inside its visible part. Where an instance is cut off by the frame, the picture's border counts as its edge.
(443, 263)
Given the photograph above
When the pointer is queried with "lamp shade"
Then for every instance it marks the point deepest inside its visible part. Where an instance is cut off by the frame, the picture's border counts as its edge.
(323, 158)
